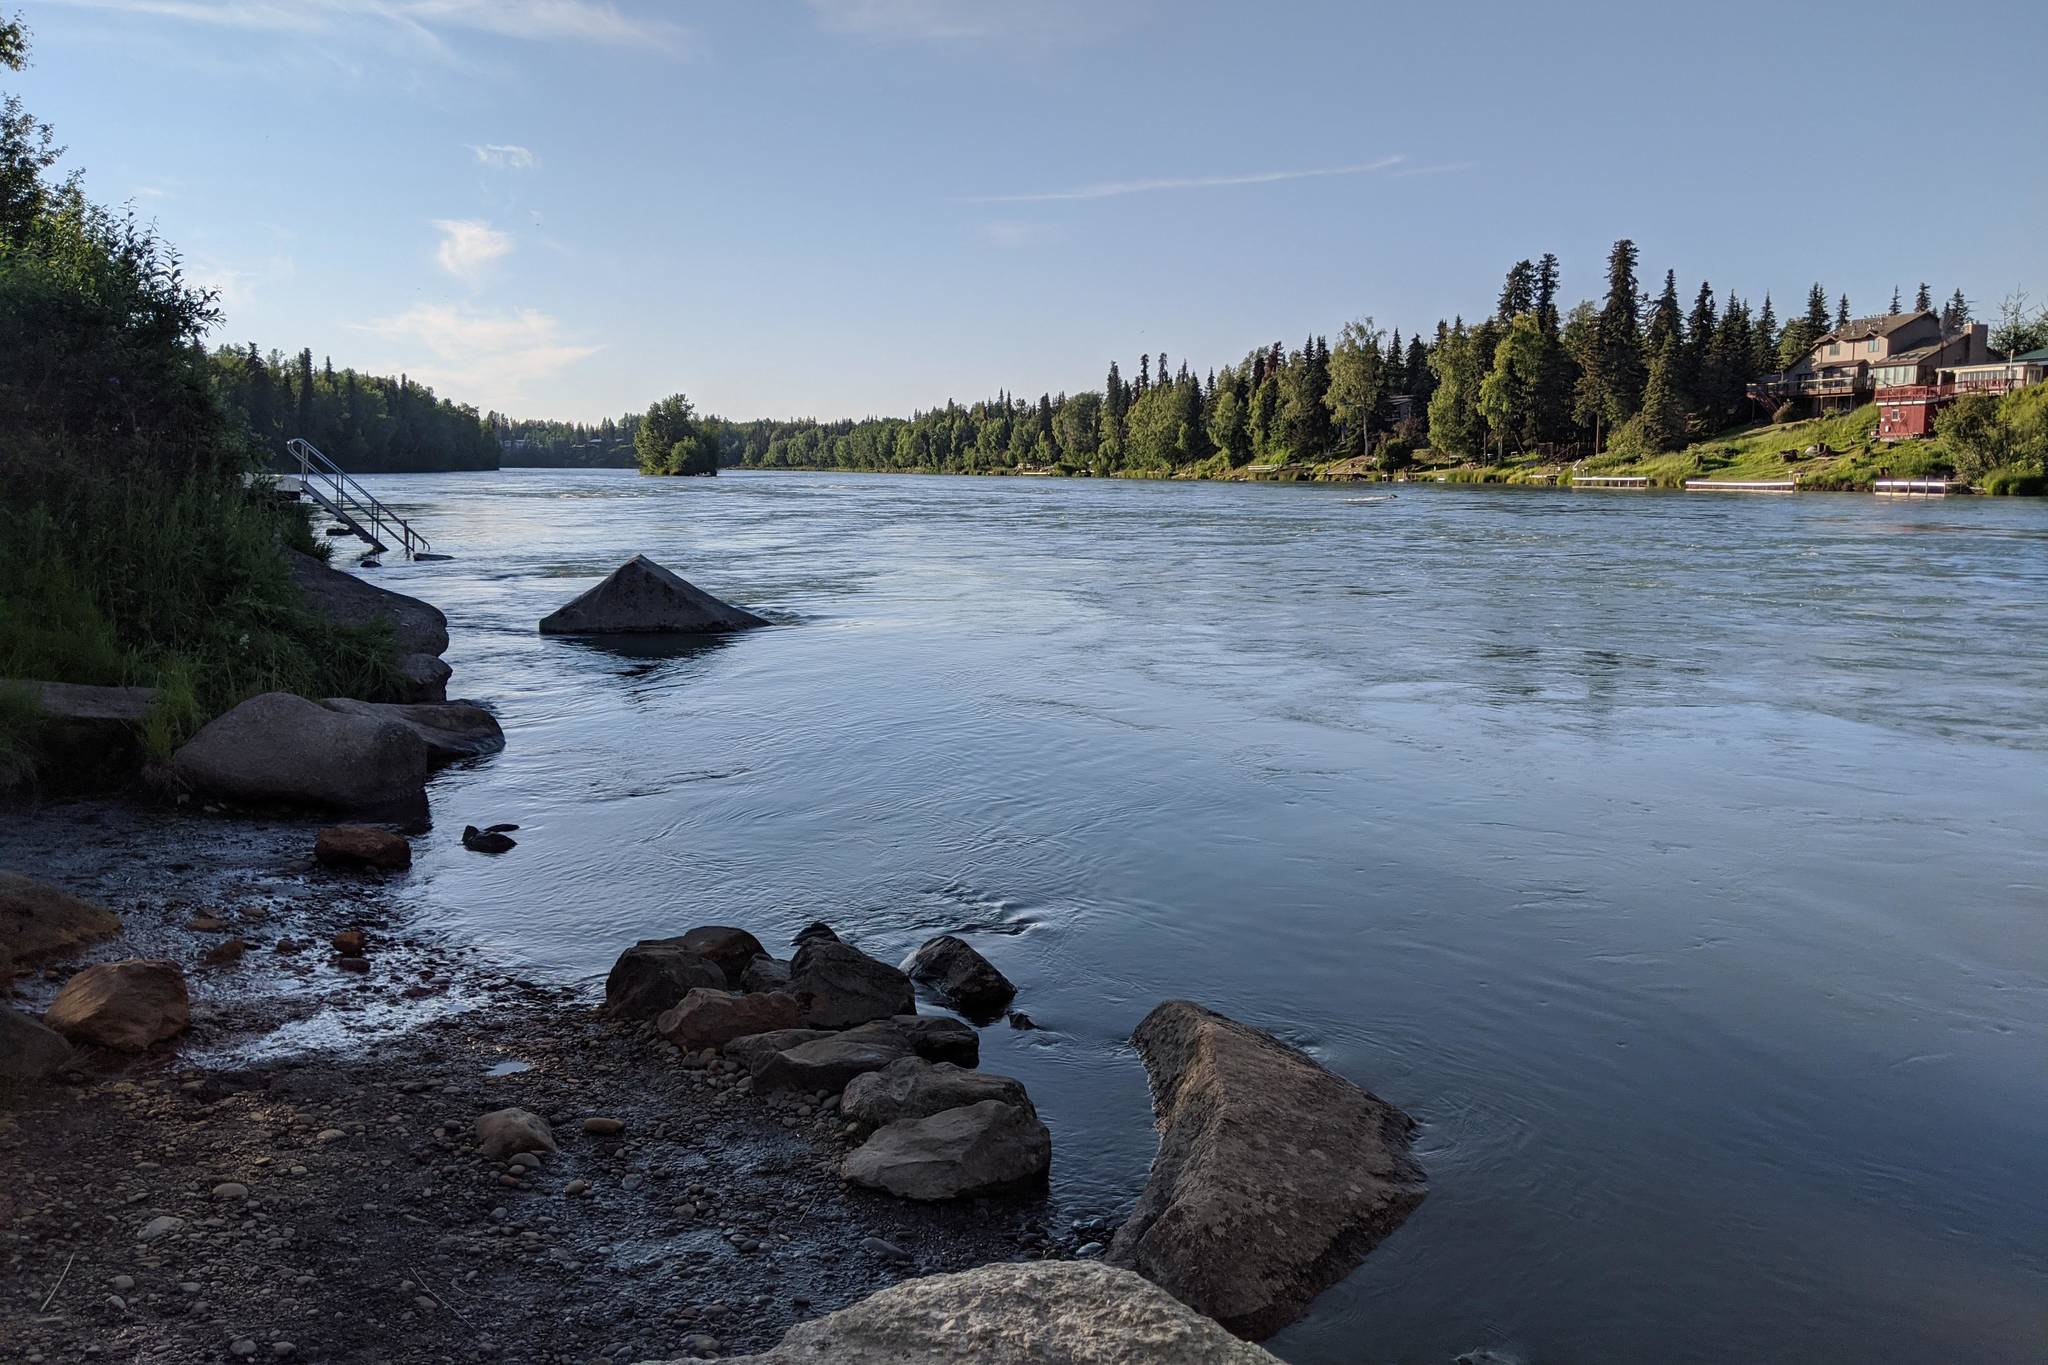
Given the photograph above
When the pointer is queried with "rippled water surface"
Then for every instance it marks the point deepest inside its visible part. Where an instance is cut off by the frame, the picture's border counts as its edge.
(1677, 861)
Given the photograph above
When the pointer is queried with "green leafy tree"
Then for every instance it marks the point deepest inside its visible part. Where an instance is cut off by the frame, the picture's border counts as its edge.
(1358, 384)
(1456, 426)
(1508, 395)
(1230, 420)
(669, 441)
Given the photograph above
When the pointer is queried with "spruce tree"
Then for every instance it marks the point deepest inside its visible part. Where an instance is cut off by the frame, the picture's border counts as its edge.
(1546, 294)
(1765, 337)
(1663, 416)
(1664, 318)
(1518, 293)
(1617, 366)
(1700, 329)
(1923, 301)
(1956, 315)
(1842, 313)
(1896, 302)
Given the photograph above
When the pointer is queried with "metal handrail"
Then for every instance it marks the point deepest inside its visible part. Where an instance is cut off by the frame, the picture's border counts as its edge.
(350, 495)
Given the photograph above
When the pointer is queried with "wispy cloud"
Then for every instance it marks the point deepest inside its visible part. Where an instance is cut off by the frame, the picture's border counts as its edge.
(1447, 168)
(238, 286)
(504, 156)
(592, 21)
(1115, 188)
(469, 246)
(488, 358)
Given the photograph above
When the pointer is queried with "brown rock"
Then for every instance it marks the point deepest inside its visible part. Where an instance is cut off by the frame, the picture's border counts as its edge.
(507, 1132)
(708, 1018)
(226, 953)
(1274, 1177)
(733, 950)
(354, 847)
(359, 965)
(38, 921)
(351, 943)
(960, 1153)
(125, 1005)
(653, 976)
(840, 986)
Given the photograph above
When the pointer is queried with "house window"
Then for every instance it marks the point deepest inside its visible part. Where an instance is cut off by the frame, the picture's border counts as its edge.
(1873, 344)
(1834, 349)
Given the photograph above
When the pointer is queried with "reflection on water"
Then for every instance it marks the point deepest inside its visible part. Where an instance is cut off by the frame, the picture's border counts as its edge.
(1678, 862)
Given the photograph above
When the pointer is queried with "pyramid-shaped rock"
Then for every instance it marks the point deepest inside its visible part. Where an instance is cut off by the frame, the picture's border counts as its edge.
(641, 597)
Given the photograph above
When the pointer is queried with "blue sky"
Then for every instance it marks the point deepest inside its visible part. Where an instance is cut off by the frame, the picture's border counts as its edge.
(840, 207)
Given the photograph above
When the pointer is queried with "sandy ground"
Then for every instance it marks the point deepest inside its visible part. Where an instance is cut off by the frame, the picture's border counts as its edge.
(295, 1177)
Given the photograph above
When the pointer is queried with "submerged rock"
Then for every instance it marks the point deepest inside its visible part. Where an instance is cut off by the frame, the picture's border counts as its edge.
(28, 1050)
(839, 986)
(492, 840)
(1274, 1177)
(653, 976)
(640, 596)
(713, 1018)
(452, 730)
(284, 750)
(507, 1132)
(952, 967)
(38, 920)
(976, 1149)
(914, 1088)
(125, 1005)
(1028, 1313)
(362, 846)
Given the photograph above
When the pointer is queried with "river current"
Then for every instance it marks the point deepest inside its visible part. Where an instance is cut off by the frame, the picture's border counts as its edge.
(1680, 862)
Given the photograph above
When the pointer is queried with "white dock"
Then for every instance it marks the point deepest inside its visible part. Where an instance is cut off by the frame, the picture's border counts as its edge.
(1742, 485)
(1918, 488)
(1610, 481)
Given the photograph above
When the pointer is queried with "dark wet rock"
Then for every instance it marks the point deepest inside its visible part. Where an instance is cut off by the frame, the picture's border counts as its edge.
(641, 596)
(653, 976)
(1015, 1313)
(125, 1005)
(765, 973)
(828, 1063)
(346, 600)
(28, 1050)
(422, 678)
(914, 1088)
(839, 986)
(487, 841)
(818, 929)
(504, 1132)
(38, 921)
(278, 749)
(1020, 1020)
(752, 1048)
(975, 1149)
(966, 979)
(350, 943)
(733, 950)
(936, 1037)
(87, 739)
(713, 1018)
(452, 730)
(1274, 1177)
(354, 847)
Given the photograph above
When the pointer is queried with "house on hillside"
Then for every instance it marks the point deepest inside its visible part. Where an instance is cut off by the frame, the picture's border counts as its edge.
(1910, 397)
(1843, 369)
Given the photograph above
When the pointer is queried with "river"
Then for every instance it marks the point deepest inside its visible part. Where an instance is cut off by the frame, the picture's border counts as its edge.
(1680, 862)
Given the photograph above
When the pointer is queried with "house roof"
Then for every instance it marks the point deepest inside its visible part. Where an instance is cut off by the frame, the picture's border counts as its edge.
(2041, 354)
(1862, 329)
(1916, 354)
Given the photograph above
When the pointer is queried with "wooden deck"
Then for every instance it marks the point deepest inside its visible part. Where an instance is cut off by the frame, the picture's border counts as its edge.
(1742, 485)
(1610, 481)
(1918, 488)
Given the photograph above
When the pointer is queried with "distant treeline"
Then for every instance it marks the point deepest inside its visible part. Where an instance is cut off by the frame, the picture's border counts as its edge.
(364, 423)
(1631, 371)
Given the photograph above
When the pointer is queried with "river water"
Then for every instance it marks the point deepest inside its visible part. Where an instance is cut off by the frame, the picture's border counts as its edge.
(1679, 861)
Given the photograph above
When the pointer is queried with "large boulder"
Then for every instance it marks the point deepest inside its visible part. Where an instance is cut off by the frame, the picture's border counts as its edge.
(713, 1018)
(765, 973)
(353, 848)
(976, 1149)
(452, 730)
(1014, 1313)
(421, 677)
(278, 749)
(1274, 1177)
(734, 950)
(934, 1037)
(839, 986)
(653, 976)
(641, 597)
(122, 1005)
(28, 1050)
(38, 921)
(505, 1133)
(914, 1088)
(828, 1063)
(754, 1046)
(953, 968)
(347, 600)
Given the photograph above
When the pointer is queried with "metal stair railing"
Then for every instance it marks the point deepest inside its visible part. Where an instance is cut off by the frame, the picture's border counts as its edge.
(328, 484)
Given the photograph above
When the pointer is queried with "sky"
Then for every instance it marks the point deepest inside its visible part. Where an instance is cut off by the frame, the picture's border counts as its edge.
(838, 208)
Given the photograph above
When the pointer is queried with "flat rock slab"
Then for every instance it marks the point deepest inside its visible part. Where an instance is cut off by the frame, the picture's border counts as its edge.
(914, 1088)
(451, 730)
(1016, 1313)
(640, 597)
(122, 1005)
(38, 920)
(976, 1149)
(828, 1063)
(279, 749)
(1274, 1177)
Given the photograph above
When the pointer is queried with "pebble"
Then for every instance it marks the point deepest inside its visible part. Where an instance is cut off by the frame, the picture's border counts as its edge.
(329, 1135)
(122, 1283)
(243, 1346)
(576, 1187)
(282, 1348)
(888, 1251)
(162, 1226)
(230, 1189)
(604, 1127)
(631, 1182)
